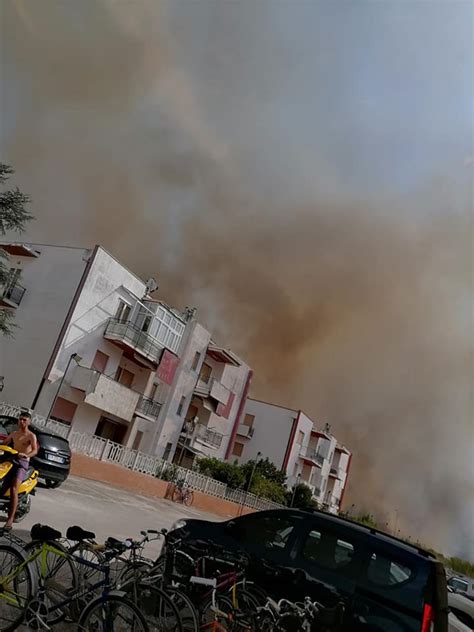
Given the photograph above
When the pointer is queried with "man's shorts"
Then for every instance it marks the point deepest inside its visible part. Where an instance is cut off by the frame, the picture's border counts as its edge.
(21, 465)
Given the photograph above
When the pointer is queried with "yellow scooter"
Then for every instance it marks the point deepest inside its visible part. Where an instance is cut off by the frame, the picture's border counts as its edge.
(26, 489)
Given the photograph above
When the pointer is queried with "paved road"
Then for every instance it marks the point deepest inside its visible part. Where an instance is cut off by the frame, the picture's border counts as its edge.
(105, 510)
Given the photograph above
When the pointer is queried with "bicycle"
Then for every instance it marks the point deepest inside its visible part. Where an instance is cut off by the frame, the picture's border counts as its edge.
(183, 494)
(48, 601)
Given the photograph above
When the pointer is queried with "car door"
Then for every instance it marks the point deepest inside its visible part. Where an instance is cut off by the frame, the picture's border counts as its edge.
(327, 565)
(391, 590)
(267, 538)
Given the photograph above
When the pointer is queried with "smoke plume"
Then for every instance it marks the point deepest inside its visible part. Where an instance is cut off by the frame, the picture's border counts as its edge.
(355, 307)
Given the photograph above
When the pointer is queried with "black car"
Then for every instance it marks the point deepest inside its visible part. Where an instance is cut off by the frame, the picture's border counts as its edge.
(386, 585)
(53, 460)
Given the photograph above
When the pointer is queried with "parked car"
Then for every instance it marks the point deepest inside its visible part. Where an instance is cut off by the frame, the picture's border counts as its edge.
(462, 607)
(462, 585)
(387, 585)
(53, 460)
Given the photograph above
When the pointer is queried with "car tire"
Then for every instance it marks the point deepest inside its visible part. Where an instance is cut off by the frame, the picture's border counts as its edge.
(52, 484)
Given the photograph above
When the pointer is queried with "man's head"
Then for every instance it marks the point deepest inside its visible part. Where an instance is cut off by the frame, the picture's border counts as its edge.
(24, 421)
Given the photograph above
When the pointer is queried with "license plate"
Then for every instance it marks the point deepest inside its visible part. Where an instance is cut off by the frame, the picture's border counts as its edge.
(55, 458)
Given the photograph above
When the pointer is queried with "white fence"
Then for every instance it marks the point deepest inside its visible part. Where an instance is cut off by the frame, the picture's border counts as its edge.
(105, 450)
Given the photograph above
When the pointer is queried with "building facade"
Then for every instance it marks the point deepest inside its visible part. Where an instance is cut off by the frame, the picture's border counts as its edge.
(95, 350)
(295, 444)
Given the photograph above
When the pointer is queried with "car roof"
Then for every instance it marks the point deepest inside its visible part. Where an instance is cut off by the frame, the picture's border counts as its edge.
(36, 429)
(375, 533)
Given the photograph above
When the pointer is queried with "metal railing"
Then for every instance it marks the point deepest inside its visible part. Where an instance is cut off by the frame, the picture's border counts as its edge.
(133, 336)
(106, 450)
(212, 437)
(314, 456)
(14, 293)
(148, 407)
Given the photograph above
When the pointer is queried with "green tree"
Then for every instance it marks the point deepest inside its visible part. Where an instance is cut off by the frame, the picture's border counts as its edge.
(229, 473)
(266, 469)
(301, 496)
(269, 489)
(13, 217)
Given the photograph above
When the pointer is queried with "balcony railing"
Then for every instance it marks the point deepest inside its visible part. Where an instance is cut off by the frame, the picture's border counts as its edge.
(131, 335)
(245, 431)
(13, 293)
(211, 437)
(148, 407)
(313, 455)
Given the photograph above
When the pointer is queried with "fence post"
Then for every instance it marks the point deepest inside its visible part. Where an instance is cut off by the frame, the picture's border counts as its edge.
(102, 454)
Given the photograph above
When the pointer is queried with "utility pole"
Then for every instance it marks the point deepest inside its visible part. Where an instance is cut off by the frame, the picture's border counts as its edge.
(77, 358)
(294, 489)
(259, 454)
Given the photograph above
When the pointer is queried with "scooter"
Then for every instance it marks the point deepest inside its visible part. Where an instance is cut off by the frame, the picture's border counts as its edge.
(26, 489)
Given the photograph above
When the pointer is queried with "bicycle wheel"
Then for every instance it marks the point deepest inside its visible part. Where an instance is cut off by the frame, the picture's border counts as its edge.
(133, 571)
(188, 497)
(87, 576)
(187, 611)
(157, 607)
(207, 613)
(16, 587)
(58, 577)
(114, 613)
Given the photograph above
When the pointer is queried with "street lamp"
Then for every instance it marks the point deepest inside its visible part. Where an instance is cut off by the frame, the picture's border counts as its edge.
(247, 489)
(294, 489)
(77, 358)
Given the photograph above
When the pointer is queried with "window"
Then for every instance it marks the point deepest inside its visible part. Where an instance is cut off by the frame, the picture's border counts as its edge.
(205, 374)
(384, 571)
(124, 377)
(248, 420)
(458, 584)
(266, 532)
(181, 405)
(326, 550)
(100, 361)
(123, 311)
(63, 410)
(237, 449)
(197, 358)
(300, 440)
(146, 324)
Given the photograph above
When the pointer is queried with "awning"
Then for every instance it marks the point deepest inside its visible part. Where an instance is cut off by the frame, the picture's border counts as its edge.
(219, 354)
(19, 250)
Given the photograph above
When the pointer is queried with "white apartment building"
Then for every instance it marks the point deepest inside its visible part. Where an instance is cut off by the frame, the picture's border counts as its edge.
(295, 444)
(95, 350)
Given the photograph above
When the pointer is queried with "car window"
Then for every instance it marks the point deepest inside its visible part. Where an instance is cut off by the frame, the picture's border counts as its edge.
(268, 531)
(384, 571)
(458, 584)
(326, 550)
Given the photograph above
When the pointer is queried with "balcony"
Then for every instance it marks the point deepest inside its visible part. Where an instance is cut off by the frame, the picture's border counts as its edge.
(203, 434)
(128, 335)
(245, 431)
(336, 472)
(148, 408)
(105, 393)
(314, 456)
(11, 295)
(214, 389)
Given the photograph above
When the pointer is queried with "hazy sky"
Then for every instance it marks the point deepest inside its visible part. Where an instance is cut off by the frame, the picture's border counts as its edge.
(301, 171)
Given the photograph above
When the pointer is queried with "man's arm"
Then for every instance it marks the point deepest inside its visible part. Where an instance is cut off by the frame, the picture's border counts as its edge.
(8, 441)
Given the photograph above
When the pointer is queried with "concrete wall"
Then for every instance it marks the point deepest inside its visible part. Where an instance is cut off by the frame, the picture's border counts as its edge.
(141, 484)
(272, 429)
(106, 283)
(196, 339)
(51, 281)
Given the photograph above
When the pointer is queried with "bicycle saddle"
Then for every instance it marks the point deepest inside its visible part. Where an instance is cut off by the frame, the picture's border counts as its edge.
(78, 534)
(44, 533)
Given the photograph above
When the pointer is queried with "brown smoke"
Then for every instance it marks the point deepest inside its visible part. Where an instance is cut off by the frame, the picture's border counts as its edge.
(355, 312)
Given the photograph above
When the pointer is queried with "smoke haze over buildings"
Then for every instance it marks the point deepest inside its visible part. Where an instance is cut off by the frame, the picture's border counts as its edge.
(304, 177)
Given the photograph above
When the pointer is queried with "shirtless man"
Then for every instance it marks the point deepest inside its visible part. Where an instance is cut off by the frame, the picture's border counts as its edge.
(25, 443)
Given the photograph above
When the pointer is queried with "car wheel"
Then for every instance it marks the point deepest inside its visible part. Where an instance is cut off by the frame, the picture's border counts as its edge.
(53, 484)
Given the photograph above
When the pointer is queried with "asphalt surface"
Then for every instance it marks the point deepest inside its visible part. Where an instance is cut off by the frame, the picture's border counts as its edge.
(104, 510)
(112, 512)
